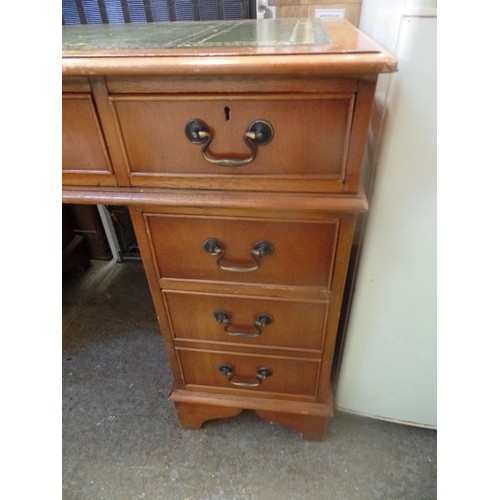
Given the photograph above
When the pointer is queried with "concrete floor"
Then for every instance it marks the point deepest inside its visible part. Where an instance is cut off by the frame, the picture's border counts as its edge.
(121, 439)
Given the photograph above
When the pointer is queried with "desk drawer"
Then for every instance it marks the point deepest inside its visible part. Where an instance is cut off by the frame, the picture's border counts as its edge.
(85, 158)
(309, 142)
(248, 373)
(247, 321)
(238, 250)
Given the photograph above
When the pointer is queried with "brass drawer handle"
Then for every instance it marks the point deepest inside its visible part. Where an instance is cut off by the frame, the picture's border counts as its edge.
(262, 248)
(259, 133)
(260, 376)
(261, 321)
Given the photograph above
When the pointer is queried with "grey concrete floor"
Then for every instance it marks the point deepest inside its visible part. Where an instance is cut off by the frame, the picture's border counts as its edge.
(121, 439)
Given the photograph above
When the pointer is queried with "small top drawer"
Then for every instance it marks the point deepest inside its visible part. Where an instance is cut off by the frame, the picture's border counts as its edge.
(85, 159)
(241, 250)
(305, 146)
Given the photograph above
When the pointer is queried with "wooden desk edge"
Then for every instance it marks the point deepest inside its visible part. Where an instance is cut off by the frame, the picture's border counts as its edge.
(304, 202)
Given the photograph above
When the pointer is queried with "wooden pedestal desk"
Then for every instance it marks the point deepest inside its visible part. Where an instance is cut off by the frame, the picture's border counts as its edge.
(238, 148)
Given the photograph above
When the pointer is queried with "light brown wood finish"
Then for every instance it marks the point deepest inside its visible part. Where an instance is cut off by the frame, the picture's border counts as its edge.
(297, 325)
(124, 120)
(290, 376)
(194, 416)
(303, 251)
(312, 131)
(365, 57)
(84, 155)
(286, 205)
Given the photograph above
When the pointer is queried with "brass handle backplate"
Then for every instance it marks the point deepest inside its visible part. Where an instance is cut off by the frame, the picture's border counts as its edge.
(261, 321)
(262, 248)
(259, 133)
(260, 376)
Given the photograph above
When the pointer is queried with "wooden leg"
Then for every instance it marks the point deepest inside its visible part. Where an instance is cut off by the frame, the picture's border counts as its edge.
(311, 427)
(193, 416)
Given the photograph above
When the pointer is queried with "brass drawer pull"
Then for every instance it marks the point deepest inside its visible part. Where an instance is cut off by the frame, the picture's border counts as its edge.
(260, 376)
(261, 321)
(262, 248)
(259, 133)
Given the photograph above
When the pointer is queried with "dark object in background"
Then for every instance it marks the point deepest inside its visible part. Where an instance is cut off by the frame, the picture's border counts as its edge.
(75, 251)
(134, 11)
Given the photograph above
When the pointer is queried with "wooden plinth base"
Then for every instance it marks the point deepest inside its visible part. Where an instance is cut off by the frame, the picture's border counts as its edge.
(309, 419)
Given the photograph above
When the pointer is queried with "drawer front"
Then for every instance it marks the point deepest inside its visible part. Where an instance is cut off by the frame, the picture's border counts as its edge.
(310, 137)
(287, 376)
(84, 155)
(299, 253)
(247, 321)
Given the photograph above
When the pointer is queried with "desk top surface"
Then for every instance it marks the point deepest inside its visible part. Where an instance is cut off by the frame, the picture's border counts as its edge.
(266, 36)
(88, 49)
